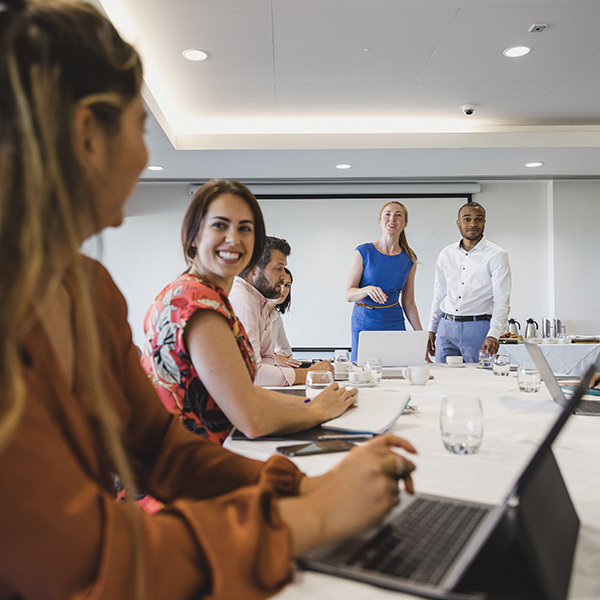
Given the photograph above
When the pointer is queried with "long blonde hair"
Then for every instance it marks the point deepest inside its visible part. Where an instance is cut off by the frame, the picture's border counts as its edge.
(54, 56)
(402, 239)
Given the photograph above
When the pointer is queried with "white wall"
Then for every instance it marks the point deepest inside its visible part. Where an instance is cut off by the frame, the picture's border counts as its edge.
(549, 230)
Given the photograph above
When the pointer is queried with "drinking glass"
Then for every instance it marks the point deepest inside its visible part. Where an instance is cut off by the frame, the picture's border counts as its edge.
(317, 381)
(373, 364)
(461, 424)
(341, 361)
(485, 359)
(501, 365)
(529, 377)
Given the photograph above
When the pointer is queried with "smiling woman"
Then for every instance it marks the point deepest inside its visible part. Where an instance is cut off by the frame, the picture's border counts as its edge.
(197, 353)
(381, 282)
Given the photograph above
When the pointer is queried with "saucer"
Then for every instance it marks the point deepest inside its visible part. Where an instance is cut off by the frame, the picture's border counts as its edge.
(364, 384)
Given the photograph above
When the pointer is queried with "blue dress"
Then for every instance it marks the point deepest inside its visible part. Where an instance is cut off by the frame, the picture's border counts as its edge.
(389, 273)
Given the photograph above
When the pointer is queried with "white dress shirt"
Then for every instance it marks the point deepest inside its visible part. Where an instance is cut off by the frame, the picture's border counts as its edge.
(252, 309)
(281, 344)
(476, 282)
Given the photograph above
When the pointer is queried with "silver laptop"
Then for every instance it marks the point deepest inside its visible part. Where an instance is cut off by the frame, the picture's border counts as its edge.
(393, 348)
(584, 406)
(451, 549)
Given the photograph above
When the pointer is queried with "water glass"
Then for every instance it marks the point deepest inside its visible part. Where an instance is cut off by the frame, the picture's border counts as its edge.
(375, 367)
(528, 377)
(501, 365)
(341, 361)
(461, 424)
(317, 381)
(485, 359)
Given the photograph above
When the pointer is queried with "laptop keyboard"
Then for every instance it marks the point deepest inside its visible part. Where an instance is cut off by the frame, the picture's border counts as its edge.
(588, 406)
(422, 542)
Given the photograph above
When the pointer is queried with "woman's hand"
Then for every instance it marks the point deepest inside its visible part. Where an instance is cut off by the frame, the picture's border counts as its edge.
(375, 293)
(354, 495)
(287, 361)
(595, 379)
(333, 401)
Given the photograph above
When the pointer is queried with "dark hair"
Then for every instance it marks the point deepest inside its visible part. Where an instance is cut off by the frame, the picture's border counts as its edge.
(471, 205)
(286, 304)
(273, 243)
(197, 210)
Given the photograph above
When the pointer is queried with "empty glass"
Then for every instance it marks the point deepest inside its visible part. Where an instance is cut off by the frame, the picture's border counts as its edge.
(528, 377)
(373, 365)
(485, 360)
(501, 365)
(317, 381)
(461, 424)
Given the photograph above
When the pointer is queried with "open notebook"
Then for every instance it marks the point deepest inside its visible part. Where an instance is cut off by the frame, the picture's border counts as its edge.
(375, 411)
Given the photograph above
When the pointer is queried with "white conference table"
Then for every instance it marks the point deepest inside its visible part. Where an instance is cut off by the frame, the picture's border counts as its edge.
(515, 422)
(567, 359)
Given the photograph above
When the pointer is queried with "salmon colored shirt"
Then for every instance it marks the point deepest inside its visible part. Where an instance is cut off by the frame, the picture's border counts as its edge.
(63, 536)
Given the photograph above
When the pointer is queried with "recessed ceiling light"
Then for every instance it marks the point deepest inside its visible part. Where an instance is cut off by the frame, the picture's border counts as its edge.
(343, 166)
(195, 55)
(517, 51)
(155, 168)
(533, 165)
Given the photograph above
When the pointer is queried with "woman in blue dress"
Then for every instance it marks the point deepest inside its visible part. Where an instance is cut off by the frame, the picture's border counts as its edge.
(381, 282)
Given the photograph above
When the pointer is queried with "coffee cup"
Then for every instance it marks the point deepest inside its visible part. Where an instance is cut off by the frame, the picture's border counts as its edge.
(454, 360)
(418, 375)
(359, 376)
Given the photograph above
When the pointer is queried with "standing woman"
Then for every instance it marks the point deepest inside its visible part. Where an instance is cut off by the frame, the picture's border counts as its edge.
(76, 407)
(381, 282)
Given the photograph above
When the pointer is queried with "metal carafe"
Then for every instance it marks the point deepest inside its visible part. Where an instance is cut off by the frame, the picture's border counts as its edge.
(531, 329)
(514, 326)
(547, 328)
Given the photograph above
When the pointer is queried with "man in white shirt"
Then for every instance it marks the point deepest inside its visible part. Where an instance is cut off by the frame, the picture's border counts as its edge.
(471, 292)
(249, 297)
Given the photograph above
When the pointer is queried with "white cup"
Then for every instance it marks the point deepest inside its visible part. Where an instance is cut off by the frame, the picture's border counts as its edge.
(317, 381)
(418, 375)
(359, 376)
(454, 360)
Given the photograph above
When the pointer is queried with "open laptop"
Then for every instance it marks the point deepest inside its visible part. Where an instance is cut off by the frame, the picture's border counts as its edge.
(583, 407)
(393, 348)
(521, 548)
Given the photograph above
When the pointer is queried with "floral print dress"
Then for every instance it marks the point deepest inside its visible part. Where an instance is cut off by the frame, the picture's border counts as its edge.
(170, 367)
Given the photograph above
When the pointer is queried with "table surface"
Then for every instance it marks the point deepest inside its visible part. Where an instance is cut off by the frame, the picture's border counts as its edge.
(515, 423)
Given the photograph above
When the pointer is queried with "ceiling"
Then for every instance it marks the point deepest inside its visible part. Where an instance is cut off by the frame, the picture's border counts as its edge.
(292, 88)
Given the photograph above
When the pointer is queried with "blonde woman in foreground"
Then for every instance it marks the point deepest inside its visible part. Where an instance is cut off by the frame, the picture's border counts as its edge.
(76, 407)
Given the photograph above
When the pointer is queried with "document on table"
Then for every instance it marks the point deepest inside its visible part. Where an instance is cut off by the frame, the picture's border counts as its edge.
(375, 411)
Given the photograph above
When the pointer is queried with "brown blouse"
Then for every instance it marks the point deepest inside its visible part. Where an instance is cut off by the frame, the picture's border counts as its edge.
(62, 536)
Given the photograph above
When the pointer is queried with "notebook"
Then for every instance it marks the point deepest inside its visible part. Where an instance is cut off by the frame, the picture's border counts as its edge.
(586, 405)
(375, 411)
(393, 348)
(526, 542)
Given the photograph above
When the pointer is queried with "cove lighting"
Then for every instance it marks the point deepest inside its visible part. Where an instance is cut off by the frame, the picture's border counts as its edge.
(517, 51)
(194, 55)
(533, 165)
(343, 166)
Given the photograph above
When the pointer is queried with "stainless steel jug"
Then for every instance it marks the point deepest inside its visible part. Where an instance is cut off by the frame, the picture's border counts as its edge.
(514, 326)
(531, 329)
